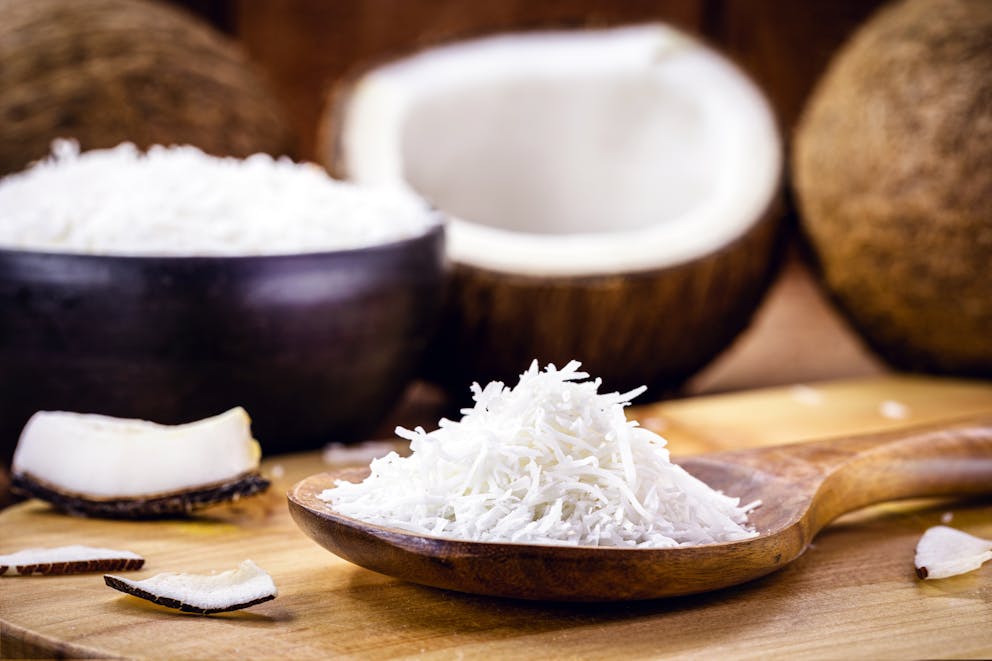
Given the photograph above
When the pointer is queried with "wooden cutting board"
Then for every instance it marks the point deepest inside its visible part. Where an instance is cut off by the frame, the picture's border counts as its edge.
(853, 594)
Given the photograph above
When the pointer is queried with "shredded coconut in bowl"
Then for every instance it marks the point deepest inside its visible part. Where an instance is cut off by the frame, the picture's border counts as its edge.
(180, 201)
(550, 461)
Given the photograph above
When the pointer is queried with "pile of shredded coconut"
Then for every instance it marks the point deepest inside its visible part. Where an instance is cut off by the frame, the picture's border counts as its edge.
(551, 461)
(180, 201)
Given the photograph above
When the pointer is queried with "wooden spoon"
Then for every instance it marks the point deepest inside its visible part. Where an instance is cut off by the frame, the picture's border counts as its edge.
(803, 487)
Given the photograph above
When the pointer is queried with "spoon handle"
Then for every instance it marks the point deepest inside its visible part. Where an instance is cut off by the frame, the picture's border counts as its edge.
(935, 460)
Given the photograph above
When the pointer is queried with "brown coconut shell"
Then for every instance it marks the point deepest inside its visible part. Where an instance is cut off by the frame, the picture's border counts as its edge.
(151, 506)
(109, 71)
(64, 567)
(653, 328)
(893, 175)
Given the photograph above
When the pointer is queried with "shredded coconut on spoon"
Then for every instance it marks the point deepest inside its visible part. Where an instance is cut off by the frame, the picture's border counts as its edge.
(550, 461)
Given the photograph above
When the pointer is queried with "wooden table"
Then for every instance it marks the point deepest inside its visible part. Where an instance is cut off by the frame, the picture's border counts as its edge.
(854, 594)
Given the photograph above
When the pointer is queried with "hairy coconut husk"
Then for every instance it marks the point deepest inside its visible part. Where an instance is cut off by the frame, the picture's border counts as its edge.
(893, 171)
(109, 71)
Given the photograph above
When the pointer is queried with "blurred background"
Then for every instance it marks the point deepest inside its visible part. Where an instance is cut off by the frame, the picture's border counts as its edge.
(91, 73)
(305, 47)
(304, 50)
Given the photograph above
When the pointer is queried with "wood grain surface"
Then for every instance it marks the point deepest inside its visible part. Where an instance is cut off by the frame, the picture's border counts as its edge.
(853, 594)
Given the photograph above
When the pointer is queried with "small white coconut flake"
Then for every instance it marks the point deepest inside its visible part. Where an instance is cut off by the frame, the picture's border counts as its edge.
(806, 395)
(75, 559)
(893, 410)
(946, 517)
(231, 590)
(943, 552)
(550, 461)
(343, 454)
(180, 201)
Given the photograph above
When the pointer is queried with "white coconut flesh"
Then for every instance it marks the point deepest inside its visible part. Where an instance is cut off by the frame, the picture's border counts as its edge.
(571, 153)
(944, 551)
(230, 590)
(98, 456)
(71, 559)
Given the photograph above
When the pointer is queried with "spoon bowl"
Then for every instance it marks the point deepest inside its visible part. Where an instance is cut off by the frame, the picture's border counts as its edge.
(802, 487)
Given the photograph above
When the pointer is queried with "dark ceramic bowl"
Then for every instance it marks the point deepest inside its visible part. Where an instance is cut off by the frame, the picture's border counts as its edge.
(316, 347)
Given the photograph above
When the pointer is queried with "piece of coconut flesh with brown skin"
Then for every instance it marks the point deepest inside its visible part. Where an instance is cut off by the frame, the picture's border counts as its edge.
(97, 465)
(75, 559)
(944, 551)
(231, 590)
(569, 159)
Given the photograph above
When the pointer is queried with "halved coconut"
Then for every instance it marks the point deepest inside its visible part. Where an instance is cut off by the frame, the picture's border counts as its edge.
(943, 552)
(231, 590)
(612, 195)
(75, 559)
(102, 466)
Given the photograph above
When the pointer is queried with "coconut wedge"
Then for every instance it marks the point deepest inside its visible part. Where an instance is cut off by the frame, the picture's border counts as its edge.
(613, 195)
(74, 559)
(231, 590)
(943, 552)
(96, 465)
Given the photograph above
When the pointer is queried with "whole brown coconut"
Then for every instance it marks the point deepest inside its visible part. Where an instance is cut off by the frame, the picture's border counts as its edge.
(108, 71)
(893, 173)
